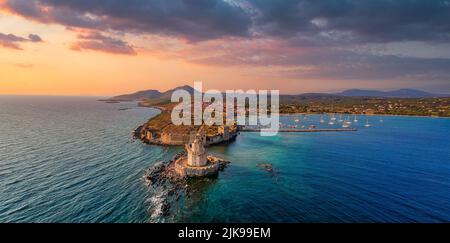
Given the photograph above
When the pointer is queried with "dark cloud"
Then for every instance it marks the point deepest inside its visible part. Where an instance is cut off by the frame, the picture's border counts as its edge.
(99, 42)
(335, 21)
(193, 20)
(13, 41)
(345, 65)
(34, 38)
(365, 20)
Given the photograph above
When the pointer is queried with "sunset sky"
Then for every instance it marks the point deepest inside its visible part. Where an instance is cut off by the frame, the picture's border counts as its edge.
(110, 47)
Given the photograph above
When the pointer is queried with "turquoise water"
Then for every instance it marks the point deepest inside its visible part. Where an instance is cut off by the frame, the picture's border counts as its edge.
(72, 160)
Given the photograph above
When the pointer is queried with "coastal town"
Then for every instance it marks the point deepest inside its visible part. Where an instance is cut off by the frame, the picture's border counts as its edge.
(438, 107)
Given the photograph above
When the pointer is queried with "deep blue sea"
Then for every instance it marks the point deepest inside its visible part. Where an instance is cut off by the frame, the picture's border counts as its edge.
(72, 159)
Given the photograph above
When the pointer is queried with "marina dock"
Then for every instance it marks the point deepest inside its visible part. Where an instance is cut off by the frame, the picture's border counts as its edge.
(302, 130)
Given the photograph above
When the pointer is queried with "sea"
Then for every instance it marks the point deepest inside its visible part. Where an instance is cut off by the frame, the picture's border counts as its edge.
(73, 159)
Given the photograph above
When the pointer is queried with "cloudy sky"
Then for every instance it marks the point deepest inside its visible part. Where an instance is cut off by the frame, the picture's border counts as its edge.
(107, 47)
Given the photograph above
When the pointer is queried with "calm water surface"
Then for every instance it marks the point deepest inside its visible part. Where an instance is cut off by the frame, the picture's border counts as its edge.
(73, 160)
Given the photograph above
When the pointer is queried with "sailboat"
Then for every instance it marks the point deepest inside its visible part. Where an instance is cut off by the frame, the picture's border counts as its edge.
(355, 120)
(321, 119)
(331, 122)
(333, 118)
(346, 123)
(367, 123)
(347, 120)
(340, 118)
(381, 120)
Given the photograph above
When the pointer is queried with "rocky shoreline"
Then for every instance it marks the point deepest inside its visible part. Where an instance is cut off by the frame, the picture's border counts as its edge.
(163, 176)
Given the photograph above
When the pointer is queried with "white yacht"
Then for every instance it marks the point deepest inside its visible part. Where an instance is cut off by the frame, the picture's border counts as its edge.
(347, 121)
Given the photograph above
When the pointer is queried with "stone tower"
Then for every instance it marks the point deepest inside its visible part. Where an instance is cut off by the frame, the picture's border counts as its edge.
(197, 152)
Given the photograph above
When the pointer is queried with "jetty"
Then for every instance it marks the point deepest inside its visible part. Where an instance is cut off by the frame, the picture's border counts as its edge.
(300, 130)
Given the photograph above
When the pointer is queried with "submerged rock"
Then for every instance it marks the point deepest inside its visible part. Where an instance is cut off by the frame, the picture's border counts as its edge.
(165, 209)
(267, 167)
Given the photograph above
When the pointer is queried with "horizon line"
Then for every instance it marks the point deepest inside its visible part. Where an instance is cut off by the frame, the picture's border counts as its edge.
(162, 91)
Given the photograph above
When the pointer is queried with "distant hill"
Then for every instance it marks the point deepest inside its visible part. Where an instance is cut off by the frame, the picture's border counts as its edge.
(140, 95)
(150, 94)
(156, 97)
(308, 97)
(400, 93)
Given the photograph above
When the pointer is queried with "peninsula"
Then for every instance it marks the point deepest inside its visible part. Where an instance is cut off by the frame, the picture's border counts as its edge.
(161, 131)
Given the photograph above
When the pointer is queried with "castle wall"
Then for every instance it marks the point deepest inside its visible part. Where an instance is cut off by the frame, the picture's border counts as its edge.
(151, 135)
(214, 139)
(175, 139)
(184, 170)
(225, 131)
(220, 138)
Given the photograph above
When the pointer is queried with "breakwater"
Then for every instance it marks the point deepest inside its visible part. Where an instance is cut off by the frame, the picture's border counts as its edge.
(301, 130)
